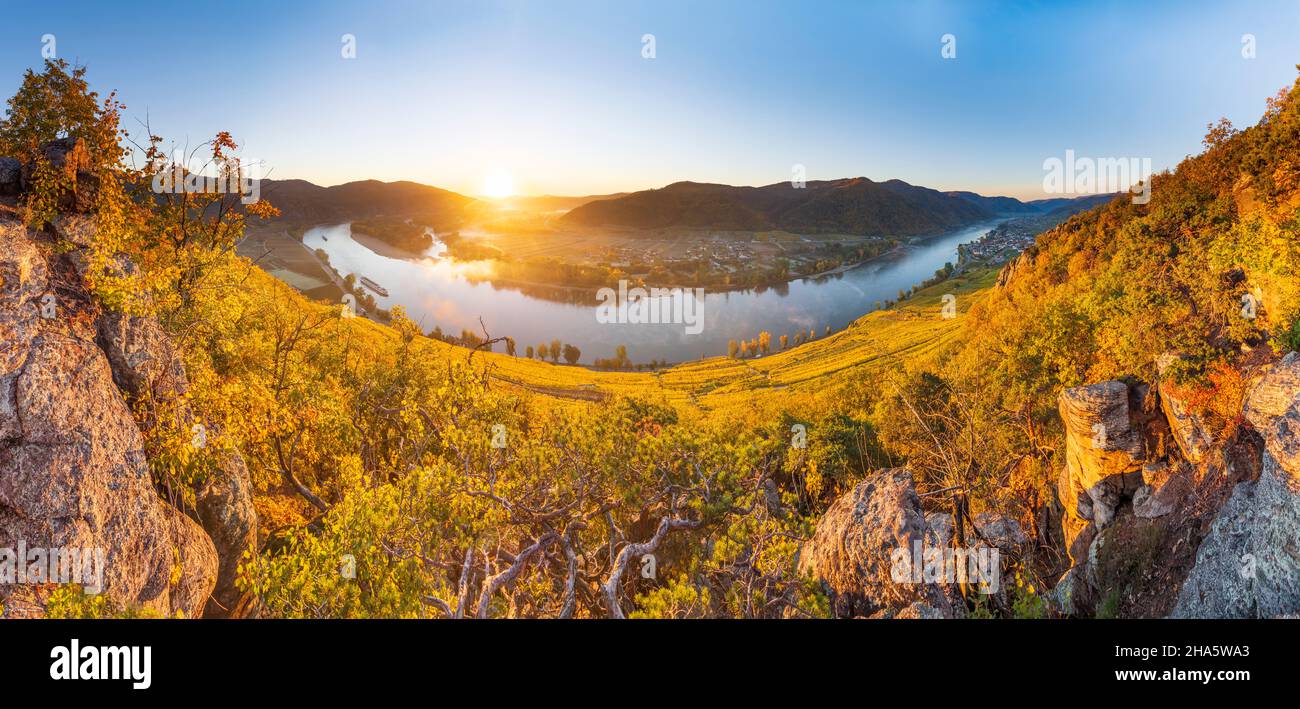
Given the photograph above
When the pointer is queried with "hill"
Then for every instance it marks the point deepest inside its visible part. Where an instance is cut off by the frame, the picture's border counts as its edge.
(857, 206)
(302, 201)
(848, 206)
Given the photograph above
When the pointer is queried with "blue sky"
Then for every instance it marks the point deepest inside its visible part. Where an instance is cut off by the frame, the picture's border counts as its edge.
(558, 96)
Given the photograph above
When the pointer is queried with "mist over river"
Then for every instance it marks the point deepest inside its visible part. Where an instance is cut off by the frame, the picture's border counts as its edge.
(453, 295)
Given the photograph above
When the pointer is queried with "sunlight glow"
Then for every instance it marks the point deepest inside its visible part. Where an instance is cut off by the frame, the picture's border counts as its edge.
(498, 185)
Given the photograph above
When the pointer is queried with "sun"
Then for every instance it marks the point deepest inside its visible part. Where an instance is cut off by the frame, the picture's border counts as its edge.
(498, 185)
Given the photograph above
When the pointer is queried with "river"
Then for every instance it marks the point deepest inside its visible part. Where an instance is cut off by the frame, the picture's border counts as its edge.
(439, 291)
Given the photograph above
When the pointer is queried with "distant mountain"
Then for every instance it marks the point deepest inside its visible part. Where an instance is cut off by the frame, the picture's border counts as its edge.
(997, 205)
(1065, 206)
(299, 200)
(848, 206)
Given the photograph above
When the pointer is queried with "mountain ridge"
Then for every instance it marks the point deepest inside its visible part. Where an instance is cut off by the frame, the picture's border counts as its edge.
(851, 205)
(854, 205)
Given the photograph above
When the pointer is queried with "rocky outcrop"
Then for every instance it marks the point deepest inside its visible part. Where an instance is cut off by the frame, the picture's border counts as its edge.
(1020, 264)
(11, 175)
(225, 507)
(1273, 409)
(1275, 393)
(1249, 564)
(1164, 487)
(72, 469)
(1189, 429)
(148, 372)
(69, 158)
(147, 367)
(1103, 452)
(853, 548)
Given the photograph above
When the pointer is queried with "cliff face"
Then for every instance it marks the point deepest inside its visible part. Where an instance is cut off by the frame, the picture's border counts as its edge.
(73, 472)
(1210, 528)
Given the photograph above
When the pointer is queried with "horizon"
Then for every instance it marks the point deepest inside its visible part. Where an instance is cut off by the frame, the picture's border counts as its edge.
(569, 99)
(549, 195)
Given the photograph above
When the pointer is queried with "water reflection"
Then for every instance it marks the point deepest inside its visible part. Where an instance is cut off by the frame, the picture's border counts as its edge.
(453, 295)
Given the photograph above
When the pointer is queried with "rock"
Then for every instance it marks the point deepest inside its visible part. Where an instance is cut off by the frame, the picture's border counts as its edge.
(72, 469)
(1000, 531)
(920, 611)
(144, 361)
(70, 158)
(1274, 393)
(1094, 556)
(225, 506)
(76, 229)
(1078, 537)
(1163, 489)
(853, 547)
(1102, 451)
(1188, 428)
(938, 529)
(1282, 440)
(1020, 264)
(11, 175)
(1248, 566)
(1066, 596)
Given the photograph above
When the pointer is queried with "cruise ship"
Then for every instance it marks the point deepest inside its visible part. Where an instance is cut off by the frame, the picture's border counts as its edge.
(374, 286)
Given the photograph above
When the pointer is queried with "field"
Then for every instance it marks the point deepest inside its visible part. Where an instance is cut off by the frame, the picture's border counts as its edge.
(278, 253)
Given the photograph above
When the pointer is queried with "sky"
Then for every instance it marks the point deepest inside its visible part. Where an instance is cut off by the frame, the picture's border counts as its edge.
(559, 97)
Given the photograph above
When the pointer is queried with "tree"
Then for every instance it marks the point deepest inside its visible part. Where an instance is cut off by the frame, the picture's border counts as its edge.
(733, 348)
(572, 354)
(529, 352)
(555, 350)
(785, 342)
(765, 342)
(541, 352)
(510, 346)
(620, 354)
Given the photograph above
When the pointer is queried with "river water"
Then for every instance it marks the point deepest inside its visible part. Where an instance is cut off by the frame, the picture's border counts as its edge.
(453, 295)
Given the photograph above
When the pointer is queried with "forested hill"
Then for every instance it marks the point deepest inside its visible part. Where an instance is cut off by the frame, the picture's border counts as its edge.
(302, 201)
(846, 206)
